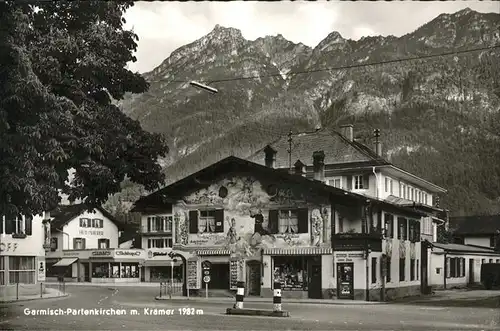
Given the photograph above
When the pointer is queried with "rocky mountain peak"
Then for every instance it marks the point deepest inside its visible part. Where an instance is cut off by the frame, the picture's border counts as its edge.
(220, 31)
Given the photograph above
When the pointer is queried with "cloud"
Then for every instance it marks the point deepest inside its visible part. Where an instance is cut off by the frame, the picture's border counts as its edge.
(163, 27)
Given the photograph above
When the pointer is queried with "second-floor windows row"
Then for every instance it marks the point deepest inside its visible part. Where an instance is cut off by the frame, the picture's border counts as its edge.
(16, 225)
(91, 223)
(159, 224)
(279, 221)
(407, 229)
(160, 243)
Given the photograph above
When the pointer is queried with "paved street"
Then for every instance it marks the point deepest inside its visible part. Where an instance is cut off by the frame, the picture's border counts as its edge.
(209, 315)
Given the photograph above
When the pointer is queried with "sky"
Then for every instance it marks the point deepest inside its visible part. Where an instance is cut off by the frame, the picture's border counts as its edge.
(163, 27)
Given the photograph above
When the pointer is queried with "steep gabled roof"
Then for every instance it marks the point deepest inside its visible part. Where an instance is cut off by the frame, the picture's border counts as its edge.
(65, 213)
(475, 225)
(337, 150)
(232, 164)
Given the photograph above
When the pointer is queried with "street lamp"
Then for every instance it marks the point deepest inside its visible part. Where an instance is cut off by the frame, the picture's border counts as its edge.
(203, 87)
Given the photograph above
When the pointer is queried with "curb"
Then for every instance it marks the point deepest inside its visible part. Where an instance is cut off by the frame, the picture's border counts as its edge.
(257, 312)
(215, 300)
(33, 299)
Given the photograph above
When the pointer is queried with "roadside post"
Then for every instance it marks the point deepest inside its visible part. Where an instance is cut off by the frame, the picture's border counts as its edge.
(206, 266)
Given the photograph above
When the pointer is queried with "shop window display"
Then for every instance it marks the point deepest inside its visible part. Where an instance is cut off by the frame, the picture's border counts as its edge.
(291, 272)
(100, 270)
(129, 270)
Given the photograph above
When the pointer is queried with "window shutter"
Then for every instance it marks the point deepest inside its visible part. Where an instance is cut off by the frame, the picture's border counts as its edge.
(303, 218)
(366, 181)
(1, 225)
(399, 228)
(28, 225)
(8, 225)
(349, 183)
(219, 220)
(273, 221)
(74, 243)
(417, 231)
(193, 221)
(83, 243)
(107, 243)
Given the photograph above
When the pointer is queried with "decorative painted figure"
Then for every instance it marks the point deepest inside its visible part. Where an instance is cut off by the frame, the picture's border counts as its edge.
(259, 230)
(317, 227)
(232, 236)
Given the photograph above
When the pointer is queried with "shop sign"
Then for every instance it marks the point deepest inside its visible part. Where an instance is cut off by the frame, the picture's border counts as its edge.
(8, 247)
(71, 253)
(128, 253)
(152, 254)
(91, 232)
(41, 271)
(101, 253)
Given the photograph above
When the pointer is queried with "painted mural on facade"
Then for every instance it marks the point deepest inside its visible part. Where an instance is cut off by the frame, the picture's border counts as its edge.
(246, 203)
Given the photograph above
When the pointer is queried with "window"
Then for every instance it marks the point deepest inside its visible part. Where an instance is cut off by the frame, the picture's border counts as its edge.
(389, 185)
(419, 197)
(374, 270)
(388, 269)
(287, 221)
(336, 182)
(361, 182)
(389, 226)
(100, 270)
(160, 243)
(21, 269)
(455, 267)
(160, 224)
(424, 198)
(402, 269)
(414, 227)
(404, 191)
(498, 261)
(2, 270)
(401, 190)
(408, 190)
(103, 243)
(53, 244)
(291, 271)
(483, 261)
(412, 194)
(97, 223)
(412, 269)
(207, 221)
(17, 225)
(491, 260)
(78, 243)
(129, 270)
(402, 228)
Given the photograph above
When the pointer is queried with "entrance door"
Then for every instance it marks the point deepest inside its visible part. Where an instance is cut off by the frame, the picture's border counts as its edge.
(254, 273)
(314, 281)
(471, 271)
(86, 272)
(345, 281)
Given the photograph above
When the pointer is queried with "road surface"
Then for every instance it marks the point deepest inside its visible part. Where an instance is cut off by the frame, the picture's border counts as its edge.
(211, 316)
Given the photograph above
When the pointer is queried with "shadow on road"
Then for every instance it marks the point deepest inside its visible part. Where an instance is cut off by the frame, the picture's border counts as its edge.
(490, 302)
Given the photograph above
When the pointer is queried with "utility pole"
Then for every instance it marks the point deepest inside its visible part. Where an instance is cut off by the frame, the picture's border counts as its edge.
(290, 151)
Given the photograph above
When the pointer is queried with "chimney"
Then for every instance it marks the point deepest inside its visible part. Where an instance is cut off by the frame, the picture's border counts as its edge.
(347, 131)
(378, 144)
(300, 168)
(270, 157)
(319, 165)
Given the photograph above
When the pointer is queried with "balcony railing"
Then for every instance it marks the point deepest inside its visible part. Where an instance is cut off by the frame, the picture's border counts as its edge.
(357, 241)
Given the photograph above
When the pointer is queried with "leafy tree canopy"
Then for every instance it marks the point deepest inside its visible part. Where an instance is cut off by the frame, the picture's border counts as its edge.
(62, 64)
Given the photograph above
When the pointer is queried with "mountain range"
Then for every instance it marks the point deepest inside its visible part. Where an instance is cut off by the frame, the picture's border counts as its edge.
(433, 112)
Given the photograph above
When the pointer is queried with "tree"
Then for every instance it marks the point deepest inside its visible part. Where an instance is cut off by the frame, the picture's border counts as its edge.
(62, 66)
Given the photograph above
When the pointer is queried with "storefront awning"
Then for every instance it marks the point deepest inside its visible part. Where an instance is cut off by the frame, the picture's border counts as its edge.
(65, 262)
(297, 251)
(205, 252)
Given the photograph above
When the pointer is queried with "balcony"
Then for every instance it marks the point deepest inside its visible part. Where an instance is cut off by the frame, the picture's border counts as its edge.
(357, 242)
(144, 231)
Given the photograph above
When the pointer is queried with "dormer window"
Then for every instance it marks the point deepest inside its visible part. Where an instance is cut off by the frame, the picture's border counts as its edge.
(335, 182)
